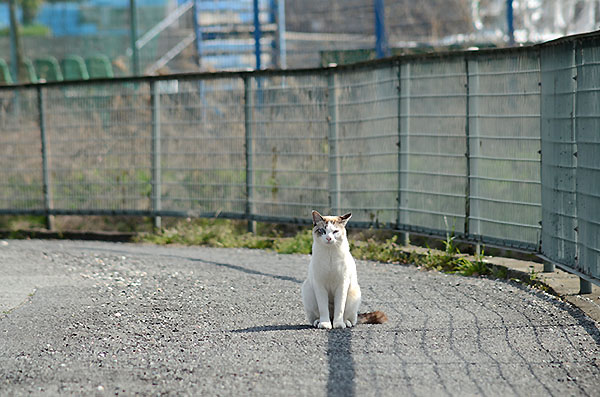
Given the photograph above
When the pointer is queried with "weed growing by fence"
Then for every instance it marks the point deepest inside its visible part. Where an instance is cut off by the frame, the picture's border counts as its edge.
(230, 234)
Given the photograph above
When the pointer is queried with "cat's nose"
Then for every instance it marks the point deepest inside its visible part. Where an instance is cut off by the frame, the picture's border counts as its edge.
(328, 238)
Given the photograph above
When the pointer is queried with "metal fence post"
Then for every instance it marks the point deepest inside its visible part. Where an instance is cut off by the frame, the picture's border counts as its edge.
(198, 31)
(474, 230)
(403, 236)
(248, 105)
(468, 156)
(403, 144)
(156, 166)
(48, 205)
(332, 139)
(133, 33)
(585, 286)
(467, 151)
(549, 267)
(281, 44)
(15, 42)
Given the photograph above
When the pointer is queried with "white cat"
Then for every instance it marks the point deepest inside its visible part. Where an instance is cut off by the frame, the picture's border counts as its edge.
(331, 293)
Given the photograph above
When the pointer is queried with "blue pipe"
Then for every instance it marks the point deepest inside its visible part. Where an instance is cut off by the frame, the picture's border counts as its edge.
(510, 22)
(381, 46)
(257, 34)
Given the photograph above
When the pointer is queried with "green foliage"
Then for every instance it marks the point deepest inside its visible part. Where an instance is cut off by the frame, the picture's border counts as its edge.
(443, 262)
(211, 232)
(472, 268)
(15, 222)
(533, 276)
(225, 233)
(450, 246)
(301, 243)
(452, 261)
(28, 30)
(499, 272)
(30, 10)
(228, 234)
(536, 281)
(386, 251)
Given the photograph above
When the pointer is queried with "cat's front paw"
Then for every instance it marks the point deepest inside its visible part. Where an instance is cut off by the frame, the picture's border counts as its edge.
(339, 324)
(324, 324)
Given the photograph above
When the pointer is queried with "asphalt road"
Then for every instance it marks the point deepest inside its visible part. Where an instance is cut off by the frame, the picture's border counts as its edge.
(97, 318)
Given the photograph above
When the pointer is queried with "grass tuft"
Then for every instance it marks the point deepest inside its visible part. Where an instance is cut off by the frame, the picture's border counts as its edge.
(301, 243)
(387, 250)
(229, 234)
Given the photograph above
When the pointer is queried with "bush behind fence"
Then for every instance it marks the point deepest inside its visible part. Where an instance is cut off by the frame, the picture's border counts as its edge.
(499, 147)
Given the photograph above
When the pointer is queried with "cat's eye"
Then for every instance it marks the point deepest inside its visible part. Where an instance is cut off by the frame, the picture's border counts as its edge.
(336, 231)
(320, 230)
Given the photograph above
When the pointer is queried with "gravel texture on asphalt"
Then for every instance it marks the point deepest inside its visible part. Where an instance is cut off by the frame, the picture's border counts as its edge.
(86, 318)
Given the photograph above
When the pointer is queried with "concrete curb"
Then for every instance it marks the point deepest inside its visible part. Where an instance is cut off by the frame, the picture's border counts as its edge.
(565, 285)
(560, 283)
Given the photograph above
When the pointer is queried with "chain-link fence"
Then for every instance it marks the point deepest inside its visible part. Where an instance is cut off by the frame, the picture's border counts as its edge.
(571, 153)
(106, 38)
(498, 147)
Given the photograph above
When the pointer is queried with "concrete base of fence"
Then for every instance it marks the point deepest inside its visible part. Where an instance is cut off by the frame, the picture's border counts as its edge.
(585, 287)
(122, 237)
(565, 285)
(549, 267)
(50, 222)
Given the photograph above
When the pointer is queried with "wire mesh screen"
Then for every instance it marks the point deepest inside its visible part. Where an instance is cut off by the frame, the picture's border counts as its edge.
(165, 46)
(202, 159)
(588, 156)
(21, 184)
(433, 165)
(288, 128)
(559, 216)
(428, 144)
(427, 21)
(366, 145)
(99, 145)
(504, 147)
(92, 31)
(315, 30)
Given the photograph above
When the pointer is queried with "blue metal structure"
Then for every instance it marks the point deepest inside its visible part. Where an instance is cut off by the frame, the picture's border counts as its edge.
(510, 22)
(381, 45)
(234, 35)
(257, 34)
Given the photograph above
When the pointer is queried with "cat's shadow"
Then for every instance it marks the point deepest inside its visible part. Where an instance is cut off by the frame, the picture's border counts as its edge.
(278, 327)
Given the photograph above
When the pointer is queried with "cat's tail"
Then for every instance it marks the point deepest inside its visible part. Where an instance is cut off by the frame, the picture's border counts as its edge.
(376, 317)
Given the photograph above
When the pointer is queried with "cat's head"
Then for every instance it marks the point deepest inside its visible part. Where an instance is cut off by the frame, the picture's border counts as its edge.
(329, 230)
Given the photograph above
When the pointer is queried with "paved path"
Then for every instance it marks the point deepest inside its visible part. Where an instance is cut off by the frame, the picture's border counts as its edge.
(101, 318)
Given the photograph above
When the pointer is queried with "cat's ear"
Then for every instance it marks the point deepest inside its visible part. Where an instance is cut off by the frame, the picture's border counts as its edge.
(316, 217)
(345, 218)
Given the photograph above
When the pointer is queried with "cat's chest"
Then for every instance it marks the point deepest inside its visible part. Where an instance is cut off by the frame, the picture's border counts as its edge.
(331, 265)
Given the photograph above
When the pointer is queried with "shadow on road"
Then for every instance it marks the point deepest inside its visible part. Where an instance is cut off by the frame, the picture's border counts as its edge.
(341, 380)
(267, 328)
(341, 364)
